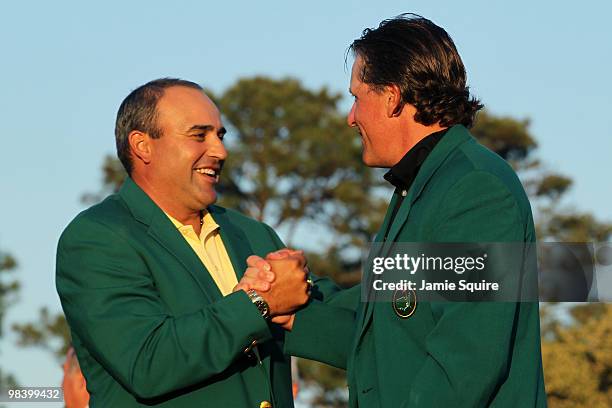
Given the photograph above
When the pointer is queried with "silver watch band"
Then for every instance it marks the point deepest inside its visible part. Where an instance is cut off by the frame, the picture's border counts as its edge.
(260, 303)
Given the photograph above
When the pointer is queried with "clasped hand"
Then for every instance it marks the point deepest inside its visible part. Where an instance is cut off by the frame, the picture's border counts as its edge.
(281, 279)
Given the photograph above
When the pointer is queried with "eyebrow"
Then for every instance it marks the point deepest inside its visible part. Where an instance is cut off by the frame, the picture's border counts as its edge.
(207, 128)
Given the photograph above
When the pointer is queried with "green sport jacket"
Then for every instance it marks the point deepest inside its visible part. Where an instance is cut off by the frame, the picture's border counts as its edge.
(461, 354)
(148, 323)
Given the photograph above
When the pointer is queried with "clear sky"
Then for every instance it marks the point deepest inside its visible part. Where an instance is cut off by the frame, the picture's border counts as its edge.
(67, 66)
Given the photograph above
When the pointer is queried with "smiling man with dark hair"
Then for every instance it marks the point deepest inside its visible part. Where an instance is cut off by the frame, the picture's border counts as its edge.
(412, 109)
(153, 279)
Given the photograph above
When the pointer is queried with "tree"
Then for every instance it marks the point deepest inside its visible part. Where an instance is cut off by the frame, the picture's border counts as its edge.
(578, 360)
(8, 287)
(49, 332)
(8, 291)
(113, 175)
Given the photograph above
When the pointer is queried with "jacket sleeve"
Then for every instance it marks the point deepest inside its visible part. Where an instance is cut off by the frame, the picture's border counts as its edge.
(111, 303)
(470, 345)
(325, 329)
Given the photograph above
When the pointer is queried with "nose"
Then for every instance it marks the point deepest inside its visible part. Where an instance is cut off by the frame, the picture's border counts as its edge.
(350, 119)
(217, 149)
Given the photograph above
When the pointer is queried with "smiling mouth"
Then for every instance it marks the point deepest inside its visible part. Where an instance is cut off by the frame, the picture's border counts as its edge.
(211, 173)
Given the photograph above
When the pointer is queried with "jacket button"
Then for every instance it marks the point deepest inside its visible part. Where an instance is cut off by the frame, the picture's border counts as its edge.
(265, 404)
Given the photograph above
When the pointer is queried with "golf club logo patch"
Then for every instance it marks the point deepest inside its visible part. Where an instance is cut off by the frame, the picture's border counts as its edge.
(404, 303)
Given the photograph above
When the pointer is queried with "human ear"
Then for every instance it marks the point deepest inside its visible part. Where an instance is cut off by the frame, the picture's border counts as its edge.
(393, 96)
(140, 145)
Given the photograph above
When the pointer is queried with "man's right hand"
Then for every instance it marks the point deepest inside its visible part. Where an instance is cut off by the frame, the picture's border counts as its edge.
(257, 276)
(289, 291)
(284, 288)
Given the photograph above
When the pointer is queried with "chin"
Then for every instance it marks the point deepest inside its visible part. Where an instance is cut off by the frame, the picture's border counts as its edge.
(370, 161)
(207, 200)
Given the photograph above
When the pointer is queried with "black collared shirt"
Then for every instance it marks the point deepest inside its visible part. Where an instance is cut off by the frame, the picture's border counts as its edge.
(402, 174)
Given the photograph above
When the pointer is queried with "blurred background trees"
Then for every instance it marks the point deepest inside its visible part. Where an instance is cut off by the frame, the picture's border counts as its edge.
(9, 286)
(578, 358)
(294, 164)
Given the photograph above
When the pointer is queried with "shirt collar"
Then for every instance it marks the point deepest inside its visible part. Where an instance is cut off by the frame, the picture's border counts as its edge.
(208, 225)
(403, 173)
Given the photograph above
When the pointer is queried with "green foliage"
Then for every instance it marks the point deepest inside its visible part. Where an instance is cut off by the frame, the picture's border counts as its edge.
(573, 227)
(8, 286)
(582, 314)
(50, 332)
(553, 186)
(113, 175)
(578, 359)
(8, 292)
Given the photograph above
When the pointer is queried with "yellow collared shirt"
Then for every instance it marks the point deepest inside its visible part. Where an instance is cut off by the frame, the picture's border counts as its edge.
(210, 249)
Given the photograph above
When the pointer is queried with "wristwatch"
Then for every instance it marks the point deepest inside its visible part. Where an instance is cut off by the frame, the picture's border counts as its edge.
(260, 303)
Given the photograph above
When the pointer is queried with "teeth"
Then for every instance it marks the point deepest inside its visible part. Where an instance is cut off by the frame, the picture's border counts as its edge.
(209, 172)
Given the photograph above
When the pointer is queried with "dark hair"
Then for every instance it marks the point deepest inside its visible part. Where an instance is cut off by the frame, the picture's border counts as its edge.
(421, 59)
(138, 111)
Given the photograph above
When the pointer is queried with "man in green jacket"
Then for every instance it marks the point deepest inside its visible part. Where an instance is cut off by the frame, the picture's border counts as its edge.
(413, 109)
(151, 279)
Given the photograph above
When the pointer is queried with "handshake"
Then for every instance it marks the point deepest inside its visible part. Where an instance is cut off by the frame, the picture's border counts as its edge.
(281, 279)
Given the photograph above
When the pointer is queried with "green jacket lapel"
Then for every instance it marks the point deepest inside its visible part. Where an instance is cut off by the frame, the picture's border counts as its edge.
(238, 249)
(234, 239)
(165, 233)
(381, 231)
(375, 251)
(455, 136)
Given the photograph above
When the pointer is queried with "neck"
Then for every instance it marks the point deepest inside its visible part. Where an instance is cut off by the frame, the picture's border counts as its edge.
(416, 132)
(168, 205)
(411, 132)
